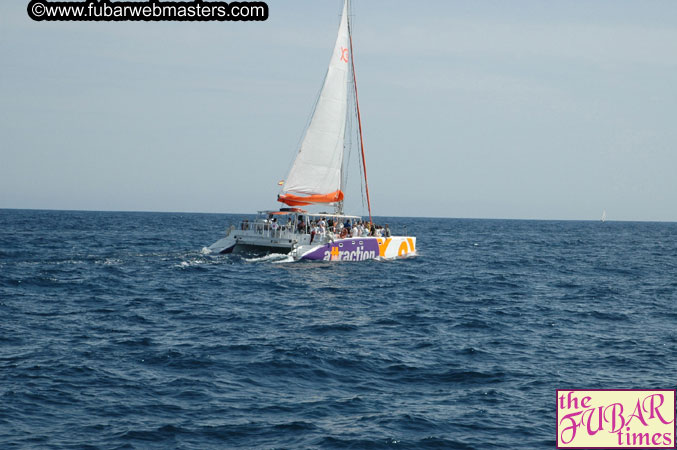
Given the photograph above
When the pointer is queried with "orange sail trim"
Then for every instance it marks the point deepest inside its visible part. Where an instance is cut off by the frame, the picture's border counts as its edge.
(297, 200)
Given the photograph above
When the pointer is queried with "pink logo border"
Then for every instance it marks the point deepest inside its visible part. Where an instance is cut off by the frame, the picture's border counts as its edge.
(557, 391)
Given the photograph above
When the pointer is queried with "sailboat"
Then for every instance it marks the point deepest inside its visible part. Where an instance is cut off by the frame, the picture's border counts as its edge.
(603, 216)
(316, 180)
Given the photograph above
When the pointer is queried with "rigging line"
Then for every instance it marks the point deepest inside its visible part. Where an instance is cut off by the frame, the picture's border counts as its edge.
(359, 119)
(354, 137)
(347, 148)
(347, 142)
(359, 168)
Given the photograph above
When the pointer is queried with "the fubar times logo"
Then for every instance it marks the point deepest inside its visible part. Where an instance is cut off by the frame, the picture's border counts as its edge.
(621, 418)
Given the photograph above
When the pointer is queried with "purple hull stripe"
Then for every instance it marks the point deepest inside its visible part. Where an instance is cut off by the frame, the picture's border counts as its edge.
(357, 249)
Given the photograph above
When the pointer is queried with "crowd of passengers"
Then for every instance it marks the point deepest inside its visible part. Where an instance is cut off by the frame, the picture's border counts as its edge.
(326, 227)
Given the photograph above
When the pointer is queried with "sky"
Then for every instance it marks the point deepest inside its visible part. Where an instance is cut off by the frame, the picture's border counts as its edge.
(477, 109)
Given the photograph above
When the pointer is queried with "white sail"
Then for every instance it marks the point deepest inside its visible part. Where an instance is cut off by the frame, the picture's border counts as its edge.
(317, 167)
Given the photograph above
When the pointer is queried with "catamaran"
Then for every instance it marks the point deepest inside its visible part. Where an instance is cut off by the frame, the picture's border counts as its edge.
(317, 180)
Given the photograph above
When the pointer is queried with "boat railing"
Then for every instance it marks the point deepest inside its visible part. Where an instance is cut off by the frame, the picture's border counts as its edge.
(267, 229)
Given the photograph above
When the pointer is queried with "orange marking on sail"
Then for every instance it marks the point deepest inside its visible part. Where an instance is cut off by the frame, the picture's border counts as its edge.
(404, 249)
(344, 54)
(411, 244)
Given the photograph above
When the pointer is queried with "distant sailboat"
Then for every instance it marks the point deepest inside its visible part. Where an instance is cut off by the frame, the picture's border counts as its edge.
(316, 179)
(604, 216)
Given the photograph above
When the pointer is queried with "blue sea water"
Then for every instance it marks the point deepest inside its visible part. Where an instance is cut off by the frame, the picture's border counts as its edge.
(117, 331)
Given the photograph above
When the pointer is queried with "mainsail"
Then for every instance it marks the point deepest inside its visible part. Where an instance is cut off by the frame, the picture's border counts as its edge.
(315, 176)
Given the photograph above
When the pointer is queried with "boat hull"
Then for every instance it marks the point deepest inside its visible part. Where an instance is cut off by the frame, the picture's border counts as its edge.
(358, 249)
(257, 241)
(260, 238)
(240, 246)
(250, 249)
(223, 246)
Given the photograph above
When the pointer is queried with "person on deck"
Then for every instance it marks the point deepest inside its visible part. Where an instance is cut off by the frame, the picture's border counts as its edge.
(313, 231)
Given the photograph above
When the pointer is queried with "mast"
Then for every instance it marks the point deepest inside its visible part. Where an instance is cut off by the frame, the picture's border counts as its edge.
(359, 119)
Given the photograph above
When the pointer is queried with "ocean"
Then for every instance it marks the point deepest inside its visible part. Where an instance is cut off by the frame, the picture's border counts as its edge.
(118, 331)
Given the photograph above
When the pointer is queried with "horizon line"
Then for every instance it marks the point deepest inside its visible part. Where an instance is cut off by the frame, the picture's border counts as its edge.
(374, 215)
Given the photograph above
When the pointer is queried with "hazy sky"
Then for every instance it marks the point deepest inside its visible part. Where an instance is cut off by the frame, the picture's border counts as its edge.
(492, 109)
